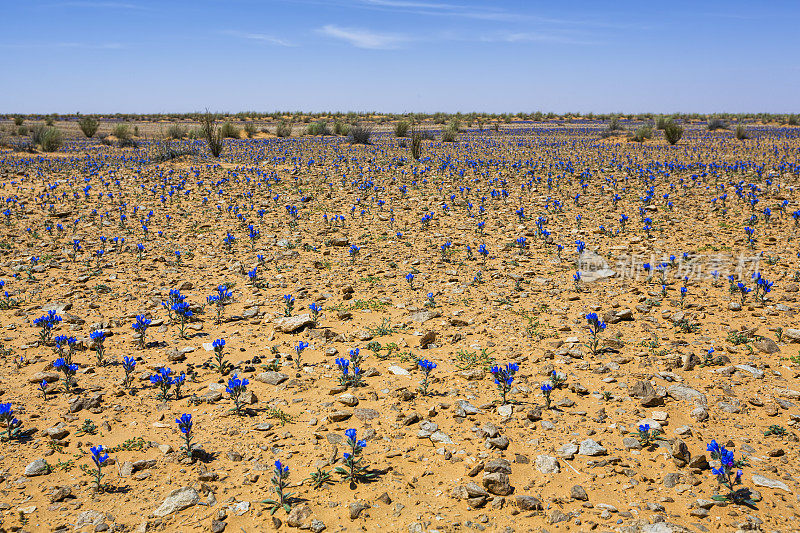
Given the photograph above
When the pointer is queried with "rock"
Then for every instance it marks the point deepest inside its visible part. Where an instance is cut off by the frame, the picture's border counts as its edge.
(428, 338)
(49, 377)
(299, 516)
(767, 346)
(498, 465)
(591, 448)
(547, 464)
(682, 392)
(464, 408)
(791, 335)
(498, 443)
(577, 492)
(497, 483)
(271, 377)
(177, 500)
(89, 518)
(424, 316)
(356, 508)
(385, 498)
(60, 494)
(339, 416)
(218, 526)
(568, 451)
(700, 414)
(652, 401)
(290, 324)
(529, 503)
(761, 481)
(631, 443)
(38, 467)
(473, 374)
(641, 389)
(440, 437)
(317, 525)
(348, 399)
(399, 371)
(680, 453)
(757, 373)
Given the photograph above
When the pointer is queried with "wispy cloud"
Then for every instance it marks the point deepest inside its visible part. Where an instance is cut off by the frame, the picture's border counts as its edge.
(362, 38)
(537, 37)
(258, 37)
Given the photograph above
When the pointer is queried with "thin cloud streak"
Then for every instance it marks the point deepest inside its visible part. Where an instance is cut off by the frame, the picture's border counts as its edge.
(363, 38)
(259, 37)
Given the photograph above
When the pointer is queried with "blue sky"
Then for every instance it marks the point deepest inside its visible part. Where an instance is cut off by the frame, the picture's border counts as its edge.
(139, 56)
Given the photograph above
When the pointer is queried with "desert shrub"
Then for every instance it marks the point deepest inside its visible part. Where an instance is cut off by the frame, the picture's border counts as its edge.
(672, 132)
(360, 134)
(318, 128)
(196, 133)
(104, 140)
(341, 128)
(48, 138)
(166, 151)
(250, 129)
(18, 120)
(128, 142)
(122, 132)
(212, 133)
(283, 130)
(48, 120)
(642, 133)
(741, 132)
(793, 120)
(176, 131)
(614, 124)
(401, 129)
(661, 122)
(715, 124)
(416, 142)
(22, 130)
(229, 131)
(88, 126)
(450, 133)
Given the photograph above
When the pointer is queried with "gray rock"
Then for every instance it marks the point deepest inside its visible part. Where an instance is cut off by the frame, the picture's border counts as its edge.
(700, 414)
(766, 345)
(271, 377)
(761, 481)
(791, 334)
(498, 465)
(757, 373)
(399, 371)
(497, 483)
(682, 392)
(177, 500)
(591, 448)
(631, 443)
(38, 467)
(440, 437)
(568, 450)
(529, 503)
(89, 518)
(424, 316)
(547, 464)
(579, 493)
(464, 408)
(290, 324)
(356, 509)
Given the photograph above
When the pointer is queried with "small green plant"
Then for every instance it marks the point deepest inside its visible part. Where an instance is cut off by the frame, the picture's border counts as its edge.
(467, 360)
(279, 415)
(738, 337)
(648, 436)
(88, 428)
(384, 328)
(775, 429)
(320, 478)
(686, 326)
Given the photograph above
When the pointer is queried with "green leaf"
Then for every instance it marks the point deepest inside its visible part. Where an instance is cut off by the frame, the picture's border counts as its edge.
(719, 498)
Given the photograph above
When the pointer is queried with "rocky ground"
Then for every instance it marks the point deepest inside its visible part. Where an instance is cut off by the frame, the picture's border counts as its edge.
(444, 454)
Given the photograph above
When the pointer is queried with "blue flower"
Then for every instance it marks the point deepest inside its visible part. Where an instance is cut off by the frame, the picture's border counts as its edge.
(350, 434)
(98, 456)
(184, 423)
